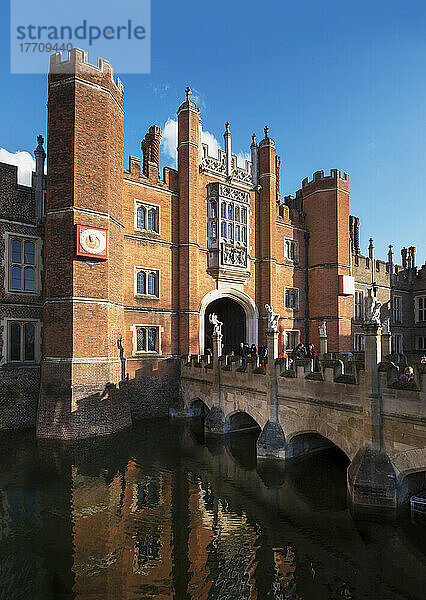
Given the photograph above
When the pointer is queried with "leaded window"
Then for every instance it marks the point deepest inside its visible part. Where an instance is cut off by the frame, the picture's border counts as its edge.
(290, 249)
(147, 217)
(21, 341)
(22, 265)
(292, 298)
(147, 338)
(147, 282)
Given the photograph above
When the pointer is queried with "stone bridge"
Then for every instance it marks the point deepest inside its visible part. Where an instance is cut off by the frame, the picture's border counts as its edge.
(362, 408)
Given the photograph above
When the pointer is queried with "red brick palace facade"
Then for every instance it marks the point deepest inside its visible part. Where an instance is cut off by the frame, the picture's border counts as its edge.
(111, 274)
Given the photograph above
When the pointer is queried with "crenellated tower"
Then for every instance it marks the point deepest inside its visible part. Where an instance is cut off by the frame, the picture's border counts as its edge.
(83, 304)
(325, 202)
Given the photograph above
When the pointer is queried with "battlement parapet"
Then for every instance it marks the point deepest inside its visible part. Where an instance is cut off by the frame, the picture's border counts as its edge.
(328, 372)
(335, 179)
(77, 64)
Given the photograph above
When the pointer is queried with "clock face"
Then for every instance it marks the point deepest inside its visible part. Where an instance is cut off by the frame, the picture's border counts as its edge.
(91, 242)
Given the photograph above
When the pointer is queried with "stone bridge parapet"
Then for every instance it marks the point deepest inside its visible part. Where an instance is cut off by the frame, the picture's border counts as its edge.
(376, 419)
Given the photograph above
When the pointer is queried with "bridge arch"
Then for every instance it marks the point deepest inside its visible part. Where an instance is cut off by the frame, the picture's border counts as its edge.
(324, 432)
(309, 442)
(240, 421)
(409, 462)
(198, 408)
(241, 298)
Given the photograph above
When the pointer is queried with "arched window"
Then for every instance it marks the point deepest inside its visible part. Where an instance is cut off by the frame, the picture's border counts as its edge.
(237, 213)
(147, 338)
(223, 229)
(230, 212)
(152, 226)
(29, 253)
(244, 215)
(151, 284)
(223, 210)
(244, 234)
(29, 279)
(152, 339)
(141, 217)
(141, 339)
(230, 231)
(237, 233)
(16, 279)
(213, 229)
(140, 283)
(29, 339)
(16, 251)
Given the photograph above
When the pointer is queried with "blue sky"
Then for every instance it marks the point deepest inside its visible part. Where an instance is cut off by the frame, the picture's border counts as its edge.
(340, 84)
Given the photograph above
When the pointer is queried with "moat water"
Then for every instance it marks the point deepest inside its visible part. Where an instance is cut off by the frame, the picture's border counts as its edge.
(159, 512)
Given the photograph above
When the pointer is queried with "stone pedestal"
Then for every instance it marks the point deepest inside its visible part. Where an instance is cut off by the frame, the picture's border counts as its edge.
(386, 345)
(271, 442)
(215, 420)
(371, 393)
(271, 371)
(217, 347)
(323, 345)
(372, 482)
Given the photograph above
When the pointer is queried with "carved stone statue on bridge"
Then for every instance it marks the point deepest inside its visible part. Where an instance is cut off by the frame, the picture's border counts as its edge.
(372, 309)
(273, 318)
(322, 328)
(217, 325)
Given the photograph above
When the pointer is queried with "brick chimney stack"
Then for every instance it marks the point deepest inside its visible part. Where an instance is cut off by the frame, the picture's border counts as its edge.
(151, 152)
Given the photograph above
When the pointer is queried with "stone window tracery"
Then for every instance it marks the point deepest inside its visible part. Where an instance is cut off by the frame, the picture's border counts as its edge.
(146, 282)
(146, 339)
(147, 217)
(228, 237)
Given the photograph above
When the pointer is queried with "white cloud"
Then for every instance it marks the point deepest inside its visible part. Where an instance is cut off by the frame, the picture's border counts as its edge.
(209, 139)
(169, 143)
(242, 157)
(169, 140)
(23, 160)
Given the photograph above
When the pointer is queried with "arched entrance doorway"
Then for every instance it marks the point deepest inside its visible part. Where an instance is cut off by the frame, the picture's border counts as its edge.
(239, 297)
(233, 318)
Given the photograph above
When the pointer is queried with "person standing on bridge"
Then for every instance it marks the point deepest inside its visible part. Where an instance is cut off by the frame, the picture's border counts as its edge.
(313, 355)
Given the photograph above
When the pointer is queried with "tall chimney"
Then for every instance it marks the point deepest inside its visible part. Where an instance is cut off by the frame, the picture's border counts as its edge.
(151, 152)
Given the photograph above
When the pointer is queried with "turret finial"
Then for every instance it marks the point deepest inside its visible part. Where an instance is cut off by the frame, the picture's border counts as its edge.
(188, 93)
(253, 137)
(266, 130)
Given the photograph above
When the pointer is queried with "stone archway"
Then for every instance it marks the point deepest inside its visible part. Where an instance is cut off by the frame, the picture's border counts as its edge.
(243, 300)
(233, 318)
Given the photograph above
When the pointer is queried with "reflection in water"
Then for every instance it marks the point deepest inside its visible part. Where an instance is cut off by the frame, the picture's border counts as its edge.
(162, 512)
